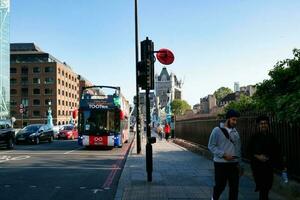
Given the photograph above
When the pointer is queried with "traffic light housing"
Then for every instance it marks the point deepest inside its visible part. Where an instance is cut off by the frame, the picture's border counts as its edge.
(146, 65)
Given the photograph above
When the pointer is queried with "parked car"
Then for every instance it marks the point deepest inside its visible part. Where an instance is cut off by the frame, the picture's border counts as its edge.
(7, 134)
(35, 133)
(68, 132)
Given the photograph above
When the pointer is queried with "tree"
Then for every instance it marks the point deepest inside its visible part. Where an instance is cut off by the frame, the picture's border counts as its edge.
(281, 93)
(179, 106)
(221, 93)
(244, 104)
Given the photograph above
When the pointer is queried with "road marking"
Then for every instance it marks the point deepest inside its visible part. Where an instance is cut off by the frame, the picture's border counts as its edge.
(82, 188)
(54, 167)
(57, 187)
(9, 158)
(32, 186)
(96, 190)
(72, 150)
(7, 186)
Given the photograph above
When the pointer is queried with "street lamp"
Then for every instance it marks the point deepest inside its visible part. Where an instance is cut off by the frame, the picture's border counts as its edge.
(49, 118)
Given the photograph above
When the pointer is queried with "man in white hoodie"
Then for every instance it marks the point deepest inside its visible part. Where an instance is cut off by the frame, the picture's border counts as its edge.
(225, 144)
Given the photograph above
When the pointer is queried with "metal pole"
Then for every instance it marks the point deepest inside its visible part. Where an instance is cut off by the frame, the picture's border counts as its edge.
(149, 159)
(138, 133)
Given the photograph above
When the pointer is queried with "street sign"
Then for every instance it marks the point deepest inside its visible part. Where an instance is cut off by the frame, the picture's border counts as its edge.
(165, 56)
(21, 110)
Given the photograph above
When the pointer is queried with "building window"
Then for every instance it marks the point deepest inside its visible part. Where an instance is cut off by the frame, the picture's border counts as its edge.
(58, 112)
(59, 70)
(36, 70)
(70, 77)
(63, 73)
(13, 81)
(13, 91)
(63, 102)
(49, 69)
(48, 91)
(24, 91)
(24, 70)
(36, 80)
(36, 91)
(72, 87)
(58, 81)
(70, 104)
(66, 84)
(13, 70)
(63, 83)
(58, 102)
(66, 94)
(13, 103)
(24, 80)
(36, 113)
(36, 102)
(63, 92)
(25, 102)
(49, 80)
(63, 112)
(59, 91)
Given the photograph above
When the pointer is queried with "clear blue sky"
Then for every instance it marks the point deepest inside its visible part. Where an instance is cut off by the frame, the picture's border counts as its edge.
(215, 42)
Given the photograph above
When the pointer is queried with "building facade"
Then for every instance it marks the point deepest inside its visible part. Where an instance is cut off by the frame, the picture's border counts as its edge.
(167, 87)
(4, 59)
(39, 81)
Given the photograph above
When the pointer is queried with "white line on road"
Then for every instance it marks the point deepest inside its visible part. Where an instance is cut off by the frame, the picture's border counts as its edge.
(72, 150)
(75, 168)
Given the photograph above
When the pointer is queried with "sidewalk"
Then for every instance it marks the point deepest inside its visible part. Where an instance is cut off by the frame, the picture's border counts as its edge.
(177, 174)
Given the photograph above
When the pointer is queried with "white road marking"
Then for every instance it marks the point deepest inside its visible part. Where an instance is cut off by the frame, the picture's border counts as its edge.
(7, 186)
(57, 187)
(54, 167)
(9, 158)
(96, 190)
(72, 150)
(82, 188)
(32, 186)
(107, 188)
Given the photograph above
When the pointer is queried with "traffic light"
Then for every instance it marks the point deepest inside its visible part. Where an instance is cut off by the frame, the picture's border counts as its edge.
(146, 65)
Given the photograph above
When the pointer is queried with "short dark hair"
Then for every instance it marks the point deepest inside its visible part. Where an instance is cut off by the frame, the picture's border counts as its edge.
(262, 118)
(232, 113)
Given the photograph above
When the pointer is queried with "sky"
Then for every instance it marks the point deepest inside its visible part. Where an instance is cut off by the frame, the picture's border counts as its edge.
(215, 42)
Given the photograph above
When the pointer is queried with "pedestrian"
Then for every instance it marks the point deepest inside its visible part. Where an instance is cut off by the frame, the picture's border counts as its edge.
(225, 144)
(167, 131)
(265, 154)
(159, 131)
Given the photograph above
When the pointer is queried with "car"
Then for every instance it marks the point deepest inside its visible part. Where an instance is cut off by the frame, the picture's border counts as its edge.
(35, 133)
(68, 132)
(7, 134)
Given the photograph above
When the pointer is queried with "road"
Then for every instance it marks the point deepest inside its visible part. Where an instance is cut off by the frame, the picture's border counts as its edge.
(60, 170)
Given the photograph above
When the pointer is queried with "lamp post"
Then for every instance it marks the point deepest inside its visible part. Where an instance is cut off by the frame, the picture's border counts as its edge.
(49, 118)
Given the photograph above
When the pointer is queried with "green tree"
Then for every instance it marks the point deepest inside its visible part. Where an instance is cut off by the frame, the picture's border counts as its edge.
(221, 93)
(281, 93)
(179, 106)
(244, 104)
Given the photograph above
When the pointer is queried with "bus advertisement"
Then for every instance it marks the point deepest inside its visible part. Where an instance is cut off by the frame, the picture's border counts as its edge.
(103, 118)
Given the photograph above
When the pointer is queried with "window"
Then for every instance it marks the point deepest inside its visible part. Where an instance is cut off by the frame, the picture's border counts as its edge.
(63, 92)
(58, 91)
(25, 102)
(13, 70)
(58, 70)
(24, 80)
(58, 102)
(63, 83)
(36, 70)
(66, 94)
(49, 69)
(48, 91)
(36, 91)
(63, 102)
(63, 73)
(70, 86)
(58, 81)
(70, 104)
(13, 103)
(13, 91)
(36, 113)
(24, 91)
(70, 95)
(69, 77)
(36, 102)
(66, 84)
(49, 80)
(63, 112)
(13, 81)
(36, 80)
(24, 70)
(58, 112)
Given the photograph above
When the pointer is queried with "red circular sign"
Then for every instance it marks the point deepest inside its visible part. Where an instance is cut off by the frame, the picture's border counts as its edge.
(165, 56)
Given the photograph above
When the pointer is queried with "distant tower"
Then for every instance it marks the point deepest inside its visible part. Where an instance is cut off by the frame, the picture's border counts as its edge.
(236, 86)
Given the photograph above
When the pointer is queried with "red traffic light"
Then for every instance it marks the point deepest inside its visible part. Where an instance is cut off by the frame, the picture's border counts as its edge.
(165, 56)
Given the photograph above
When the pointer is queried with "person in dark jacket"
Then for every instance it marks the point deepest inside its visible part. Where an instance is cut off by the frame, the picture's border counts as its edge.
(265, 155)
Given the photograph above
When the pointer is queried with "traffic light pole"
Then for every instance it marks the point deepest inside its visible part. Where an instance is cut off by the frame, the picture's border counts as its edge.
(137, 103)
(149, 157)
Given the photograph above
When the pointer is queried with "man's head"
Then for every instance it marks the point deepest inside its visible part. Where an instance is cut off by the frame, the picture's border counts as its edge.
(263, 123)
(231, 118)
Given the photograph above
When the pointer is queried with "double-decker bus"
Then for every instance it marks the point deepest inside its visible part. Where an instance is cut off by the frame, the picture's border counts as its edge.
(103, 118)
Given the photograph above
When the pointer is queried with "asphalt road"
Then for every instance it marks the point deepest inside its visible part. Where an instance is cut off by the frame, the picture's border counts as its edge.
(61, 170)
